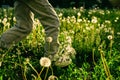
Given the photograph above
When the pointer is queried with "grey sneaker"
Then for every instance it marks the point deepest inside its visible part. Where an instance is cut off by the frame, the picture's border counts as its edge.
(63, 61)
(69, 51)
(60, 60)
(64, 57)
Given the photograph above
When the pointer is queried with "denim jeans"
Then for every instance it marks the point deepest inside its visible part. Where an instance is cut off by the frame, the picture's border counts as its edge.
(24, 23)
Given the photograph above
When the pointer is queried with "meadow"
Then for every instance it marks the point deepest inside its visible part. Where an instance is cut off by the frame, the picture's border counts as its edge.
(93, 33)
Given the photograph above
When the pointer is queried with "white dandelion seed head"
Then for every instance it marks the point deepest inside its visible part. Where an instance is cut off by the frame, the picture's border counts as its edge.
(81, 8)
(79, 14)
(0, 20)
(52, 77)
(60, 15)
(88, 28)
(73, 17)
(69, 40)
(14, 19)
(0, 63)
(74, 8)
(63, 20)
(94, 20)
(8, 24)
(117, 18)
(5, 20)
(107, 21)
(45, 62)
(68, 49)
(43, 31)
(49, 39)
(118, 33)
(79, 20)
(110, 37)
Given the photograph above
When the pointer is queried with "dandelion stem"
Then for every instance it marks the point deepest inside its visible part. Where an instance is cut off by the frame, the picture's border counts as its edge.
(46, 73)
(111, 42)
(107, 71)
(93, 56)
(41, 71)
(33, 68)
(51, 70)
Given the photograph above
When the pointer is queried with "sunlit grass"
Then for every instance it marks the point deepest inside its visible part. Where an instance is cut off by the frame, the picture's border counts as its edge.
(94, 34)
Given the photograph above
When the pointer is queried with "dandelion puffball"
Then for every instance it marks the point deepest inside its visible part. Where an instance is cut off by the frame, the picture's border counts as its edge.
(49, 39)
(110, 37)
(52, 77)
(45, 62)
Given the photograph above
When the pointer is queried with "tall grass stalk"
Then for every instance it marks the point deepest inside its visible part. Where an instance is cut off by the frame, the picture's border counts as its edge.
(33, 69)
(46, 73)
(106, 68)
(19, 58)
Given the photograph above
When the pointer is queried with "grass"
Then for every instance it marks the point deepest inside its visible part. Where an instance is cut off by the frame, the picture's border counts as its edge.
(95, 35)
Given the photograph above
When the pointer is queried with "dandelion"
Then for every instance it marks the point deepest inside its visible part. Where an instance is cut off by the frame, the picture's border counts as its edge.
(118, 33)
(102, 12)
(63, 20)
(18, 52)
(107, 21)
(71, 31)
(115, 20)
(49, 39)
(108, 12)
(69, 40)
(68, 21)
(43, 31)
(0, 20)
(94, 20)
(45, 62)
(4, 21)
(70, 51)
(102, 26)
(78, 14)
(0, 63)
(112, 32)
(79, 20)
(8, 24)
(60, 15)
(14, 19)
(106, 30)
(88, 28)
(52, 77)
(74, 8)
(82, 9)
(73, 17)
(110, 37)
(92, 27)
(84, 31)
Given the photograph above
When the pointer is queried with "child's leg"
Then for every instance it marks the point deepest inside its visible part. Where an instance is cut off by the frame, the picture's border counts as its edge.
(22, 28)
